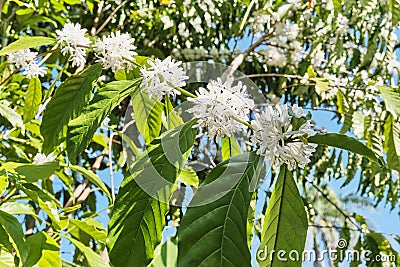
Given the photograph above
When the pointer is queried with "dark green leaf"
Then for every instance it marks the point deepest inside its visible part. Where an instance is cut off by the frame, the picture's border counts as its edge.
(213, 232)
(82, 128)
(137, 219)
(67, 103)
(285, 225)
(344, 142)
(13, 229)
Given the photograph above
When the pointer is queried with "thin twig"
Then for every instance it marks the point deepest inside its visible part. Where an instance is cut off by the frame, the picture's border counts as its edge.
(110, 17)
(8, 77)
(111, 166)
(97, 18)
(347, 217)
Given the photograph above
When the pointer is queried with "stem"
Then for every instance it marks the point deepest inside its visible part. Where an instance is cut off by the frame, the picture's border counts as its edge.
(53, 84)
(182, 91)
(111, 167)
(11, 193)
(133, 62)
(347, 217)
(243, 122)
(110, 17)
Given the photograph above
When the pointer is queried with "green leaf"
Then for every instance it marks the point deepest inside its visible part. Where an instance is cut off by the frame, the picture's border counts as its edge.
(215, 234)
(378, 245)
(230, 147)
(91, 227)
(6, 259)
(3, 183)
(45, 201)
(189, 177)
(168, 254)
(26, 42)
(391, 97)
(33, 99)
(15, 208)
(13, 228)
(392, 143)
(137, 219)
(344, 142)
(395, 9)
(172, 118)
(67, 103)
(82, 128)
(92, 258)
(31, 173)
(11, 115)
(285, 225)
(92, 177)
(44, 251)
(341, 103)
(147, 114)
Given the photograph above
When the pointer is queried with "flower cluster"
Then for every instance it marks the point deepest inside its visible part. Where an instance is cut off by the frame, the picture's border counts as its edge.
(279, 132)
(75, 43)
(116, 51)
(41, 158)
(221, 106)
(26, 60)
(162, 76)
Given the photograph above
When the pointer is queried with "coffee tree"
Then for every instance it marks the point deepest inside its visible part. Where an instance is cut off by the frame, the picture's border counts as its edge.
(203, 108)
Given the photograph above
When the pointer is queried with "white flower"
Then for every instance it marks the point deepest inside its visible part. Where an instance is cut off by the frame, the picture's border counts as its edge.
(22, 57)
(41, 158)
(114, 50)
(33, 70)
(318, 58)
(343, 24)
(207, 18)
(278, 141)
(296, 3)
(26, 59)
(292, 30)
(157, 79)
(196, 23)
(298, 111)
(259, 22)
(168, 23)
(75, 42)
(182, 30)
(217, 106)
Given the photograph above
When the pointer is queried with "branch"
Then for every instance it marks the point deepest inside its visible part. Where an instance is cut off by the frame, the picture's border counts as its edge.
(111, 166)
(110, 17)
(97, 18)
(346, 216)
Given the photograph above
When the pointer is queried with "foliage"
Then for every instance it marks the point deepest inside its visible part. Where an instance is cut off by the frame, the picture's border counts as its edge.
(64, 131)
